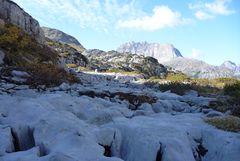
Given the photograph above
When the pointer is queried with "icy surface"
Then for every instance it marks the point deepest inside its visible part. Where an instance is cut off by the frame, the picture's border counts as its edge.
(69, 123)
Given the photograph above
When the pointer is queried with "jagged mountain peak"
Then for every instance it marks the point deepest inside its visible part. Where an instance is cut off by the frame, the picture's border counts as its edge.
(162, 52)
(229, 64)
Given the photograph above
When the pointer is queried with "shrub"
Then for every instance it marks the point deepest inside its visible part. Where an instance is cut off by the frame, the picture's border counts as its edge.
(232, 90)
(20, 48)
(228, 123)
(175, 87)
(48, 75)
(180, 77)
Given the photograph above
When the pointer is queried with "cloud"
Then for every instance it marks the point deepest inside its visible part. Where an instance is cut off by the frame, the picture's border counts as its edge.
(203, 15)
(204, 11)
(104, 15)
(94, 14)
(162, 17)
(196, 54)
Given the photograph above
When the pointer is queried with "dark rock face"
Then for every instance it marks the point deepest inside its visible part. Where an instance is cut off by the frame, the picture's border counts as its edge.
(10, 12)
(61, 37)
(114, 60)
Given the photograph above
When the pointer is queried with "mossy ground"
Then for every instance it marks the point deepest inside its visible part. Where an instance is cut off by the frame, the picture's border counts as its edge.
(227, 123)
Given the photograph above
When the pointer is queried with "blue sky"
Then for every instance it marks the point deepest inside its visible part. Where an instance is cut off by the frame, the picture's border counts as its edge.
(208, 30)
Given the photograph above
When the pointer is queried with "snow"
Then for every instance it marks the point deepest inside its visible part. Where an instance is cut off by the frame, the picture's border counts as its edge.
(60, 124)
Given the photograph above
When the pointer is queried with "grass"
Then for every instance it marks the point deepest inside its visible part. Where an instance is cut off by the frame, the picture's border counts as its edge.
(177, 77)
(227, 123)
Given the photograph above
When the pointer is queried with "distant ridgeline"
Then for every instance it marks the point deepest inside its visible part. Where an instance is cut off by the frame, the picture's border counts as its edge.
(171, 57)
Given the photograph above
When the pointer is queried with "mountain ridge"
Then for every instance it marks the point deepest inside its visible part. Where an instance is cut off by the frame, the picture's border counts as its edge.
(61, 37)
(161, 52)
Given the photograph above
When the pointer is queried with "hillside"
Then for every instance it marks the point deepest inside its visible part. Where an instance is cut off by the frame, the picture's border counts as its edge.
(61, 37)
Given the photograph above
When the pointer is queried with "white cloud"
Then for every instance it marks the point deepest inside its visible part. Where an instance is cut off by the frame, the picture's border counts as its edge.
(219, 7)
(162, 17)
(203, 15)
(102, 15)
(196, 54)
(204, 11)
(95, 14)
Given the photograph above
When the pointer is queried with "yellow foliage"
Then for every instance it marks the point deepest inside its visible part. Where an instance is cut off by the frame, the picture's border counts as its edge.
(72, 65)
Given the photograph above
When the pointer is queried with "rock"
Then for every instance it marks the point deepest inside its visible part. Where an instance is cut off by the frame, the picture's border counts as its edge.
(206, 110)
(2, 55)
(18, 77)
(19, 74)
(192, 93)
(6, 140)
(64, 87)
(161, 52)
(113, 60)
(68, 55)
(171, 105)
(214, 114)
(10, 12)
(29, 155)
(61, 37)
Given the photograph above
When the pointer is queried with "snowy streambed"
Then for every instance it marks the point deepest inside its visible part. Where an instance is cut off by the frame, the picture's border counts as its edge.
(63, 124)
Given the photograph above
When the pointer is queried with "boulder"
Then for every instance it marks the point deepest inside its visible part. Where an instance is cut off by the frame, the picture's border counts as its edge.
(6, 140)
(214, 114)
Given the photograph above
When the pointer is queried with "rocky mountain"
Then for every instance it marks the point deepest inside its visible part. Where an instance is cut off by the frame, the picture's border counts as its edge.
(199, 69)
(161, 52)
(59, 36)
(229, 64)
(114, 60)
(10, 12)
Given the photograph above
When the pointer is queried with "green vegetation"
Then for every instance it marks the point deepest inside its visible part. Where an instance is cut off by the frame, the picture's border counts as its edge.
(233, 90)
(228, 123)
(177, 77)
(20, 48)
(175, 87)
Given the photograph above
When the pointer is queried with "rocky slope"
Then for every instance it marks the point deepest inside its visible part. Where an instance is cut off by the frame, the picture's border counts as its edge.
(67, 54)
(232, 66)
(199, 69)
(114, 60)
(10, 12)
(61, 37)
(229, 64)
(161, 52)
